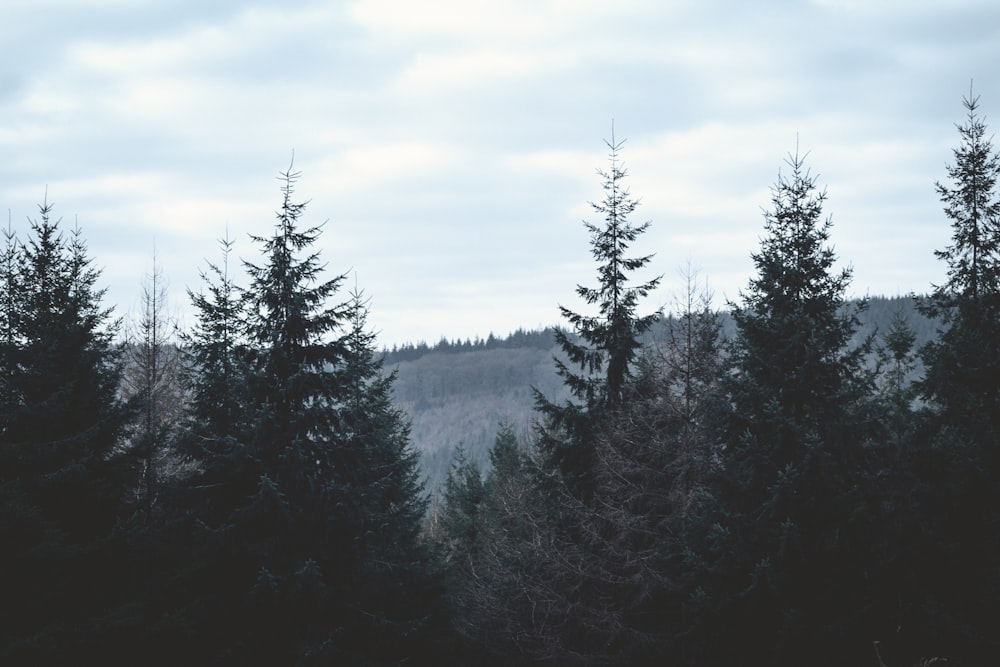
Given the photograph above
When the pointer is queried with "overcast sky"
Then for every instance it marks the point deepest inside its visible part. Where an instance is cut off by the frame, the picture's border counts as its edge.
(452, 145)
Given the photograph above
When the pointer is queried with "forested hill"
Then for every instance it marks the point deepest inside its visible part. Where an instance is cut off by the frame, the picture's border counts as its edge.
(458, 392)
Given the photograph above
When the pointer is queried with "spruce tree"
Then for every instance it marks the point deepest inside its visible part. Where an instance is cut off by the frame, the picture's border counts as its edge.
(459, 516)
(601, 345)
(10, 317)
(216, 375)
(315, 501)
(291, 528)
(398, 585)
(59, 486)
(791, 483)
(959, 469)
(963, 365)
(216, 349)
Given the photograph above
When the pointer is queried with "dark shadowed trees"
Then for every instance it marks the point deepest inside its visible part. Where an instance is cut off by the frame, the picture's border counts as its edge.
(310, 492)
(791, 500)
(960, 466)
(59, 486)
(602, 345)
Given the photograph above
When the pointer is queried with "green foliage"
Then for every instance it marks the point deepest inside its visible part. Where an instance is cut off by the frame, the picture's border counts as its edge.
(459, 517)
(963, 365)
(791, 487)
(958, 464)
(310, 483)
(217, 352)
(767, 485)
(606, 342)
(973, 207)
(58, 435)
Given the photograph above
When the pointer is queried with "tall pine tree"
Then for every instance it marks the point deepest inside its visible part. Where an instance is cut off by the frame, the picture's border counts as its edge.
(602, 345)
(963, 365)
(315, 507)
(960, 468)
(794, 448)
(398, 585)
(59, 486)
(289, 529)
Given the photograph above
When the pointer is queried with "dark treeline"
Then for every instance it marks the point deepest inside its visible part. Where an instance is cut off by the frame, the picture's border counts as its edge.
(542, 339)
(250, 497)
(762, 486)
(765, 485)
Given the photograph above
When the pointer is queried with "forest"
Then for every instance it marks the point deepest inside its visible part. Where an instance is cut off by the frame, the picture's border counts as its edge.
(790, 481)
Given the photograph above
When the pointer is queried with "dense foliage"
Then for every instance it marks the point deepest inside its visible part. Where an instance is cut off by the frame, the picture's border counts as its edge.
(801, 479)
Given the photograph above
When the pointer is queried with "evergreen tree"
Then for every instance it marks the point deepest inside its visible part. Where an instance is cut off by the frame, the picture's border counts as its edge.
(290, 527)
(499, 536)
(963, 366)
(59, 488)
(314, 552)
(897, 361)
(398, 586)
(10, 319)
(792, 487)
(959, 468)
(459, 516)
(602, 345)
(973, 207)
(216, 374)
(217, 350)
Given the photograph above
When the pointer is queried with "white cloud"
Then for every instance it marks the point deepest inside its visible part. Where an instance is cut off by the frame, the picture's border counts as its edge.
(453, 144)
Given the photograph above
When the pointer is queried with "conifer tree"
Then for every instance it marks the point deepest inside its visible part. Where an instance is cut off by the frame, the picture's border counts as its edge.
(398, 586)
(794, 455)
(897, 359)
(459, 517)
(963, 366)
(216, 374)
(59, 488)
(10, 307)
(317, 507)
(601, 346)
(290, 527)
(217, 350)
(959, 469)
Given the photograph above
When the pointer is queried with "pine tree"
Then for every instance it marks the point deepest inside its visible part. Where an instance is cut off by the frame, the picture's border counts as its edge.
(462, 497)
(603, 345)
(959, 468)
(963, 366)
(897, 359)
(291, 524)
(59, 487)
(217, 351)
(973, 207)
(398, 586)
(10, 319)
(793, 462)
(314, 549)
(216, 374)
(499, 538)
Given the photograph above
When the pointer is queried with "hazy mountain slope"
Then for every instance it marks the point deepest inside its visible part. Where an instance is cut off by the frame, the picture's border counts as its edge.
(458, 393)
(457, 398)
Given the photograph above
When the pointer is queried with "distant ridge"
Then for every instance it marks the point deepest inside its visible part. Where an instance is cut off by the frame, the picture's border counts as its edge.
(458, 392)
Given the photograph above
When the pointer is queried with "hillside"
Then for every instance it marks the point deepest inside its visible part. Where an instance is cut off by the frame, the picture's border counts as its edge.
(457, 393)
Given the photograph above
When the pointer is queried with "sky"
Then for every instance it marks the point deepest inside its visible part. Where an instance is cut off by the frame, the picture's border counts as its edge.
(451, 147)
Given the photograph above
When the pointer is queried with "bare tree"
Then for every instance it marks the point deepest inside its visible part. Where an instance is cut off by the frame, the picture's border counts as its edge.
(152, 384)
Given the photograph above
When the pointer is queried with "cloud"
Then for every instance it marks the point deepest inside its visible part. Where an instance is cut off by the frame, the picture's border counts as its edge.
(453, 145)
